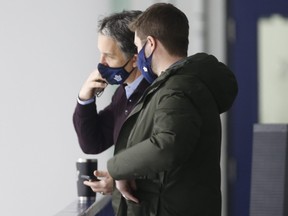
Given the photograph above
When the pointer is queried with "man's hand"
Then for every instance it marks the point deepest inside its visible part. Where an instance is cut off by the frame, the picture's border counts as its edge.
(104, 186)
(126, 188)
(95, 83)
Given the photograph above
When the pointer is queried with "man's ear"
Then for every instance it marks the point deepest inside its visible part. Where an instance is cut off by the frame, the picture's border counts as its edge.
(151, 44)
(134, 60)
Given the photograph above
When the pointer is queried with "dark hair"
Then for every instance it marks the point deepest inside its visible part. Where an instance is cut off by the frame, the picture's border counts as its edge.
(166, 23)
(117, 26)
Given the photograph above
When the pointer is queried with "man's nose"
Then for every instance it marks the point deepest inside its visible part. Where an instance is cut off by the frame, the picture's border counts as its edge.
(103, 60)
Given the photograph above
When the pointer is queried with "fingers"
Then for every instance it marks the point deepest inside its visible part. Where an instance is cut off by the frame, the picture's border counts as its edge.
(129, 196)
(100, 173)
(94, 185)
(95, 83)
(98, 84)
(126, 189)
(90, 184)
(96, 78)
(133, 185)
(104, 186)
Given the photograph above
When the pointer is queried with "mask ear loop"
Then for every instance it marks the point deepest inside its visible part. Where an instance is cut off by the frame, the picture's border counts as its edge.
(99, 93)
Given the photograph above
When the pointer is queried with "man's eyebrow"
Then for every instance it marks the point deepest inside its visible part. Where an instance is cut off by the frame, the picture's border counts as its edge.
(108, 54)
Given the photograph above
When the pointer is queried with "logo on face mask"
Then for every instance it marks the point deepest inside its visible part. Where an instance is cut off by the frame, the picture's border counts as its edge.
(145, 69)
(118, 78)
(114, 75)
(144, 64)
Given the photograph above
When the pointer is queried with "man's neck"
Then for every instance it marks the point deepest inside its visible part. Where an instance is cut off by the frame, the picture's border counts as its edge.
(166, 63)
(133, 76)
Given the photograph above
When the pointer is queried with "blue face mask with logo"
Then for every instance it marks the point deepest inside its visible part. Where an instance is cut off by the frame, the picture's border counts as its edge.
(114, 75)
(144, 65)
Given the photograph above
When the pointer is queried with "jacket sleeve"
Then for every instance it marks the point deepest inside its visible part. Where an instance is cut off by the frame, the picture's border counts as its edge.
(175, 132)
(94, 130)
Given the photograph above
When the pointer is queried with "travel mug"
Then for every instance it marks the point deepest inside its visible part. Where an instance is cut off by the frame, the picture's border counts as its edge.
(85, 169)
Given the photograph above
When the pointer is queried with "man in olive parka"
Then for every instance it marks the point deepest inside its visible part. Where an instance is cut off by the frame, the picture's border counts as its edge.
(167, 156)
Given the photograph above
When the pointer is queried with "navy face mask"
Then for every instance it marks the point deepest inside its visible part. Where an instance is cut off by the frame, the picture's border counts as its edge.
(144, 65)
(114, 75)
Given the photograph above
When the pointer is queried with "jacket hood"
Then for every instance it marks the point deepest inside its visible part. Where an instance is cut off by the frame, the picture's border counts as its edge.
(216, 76)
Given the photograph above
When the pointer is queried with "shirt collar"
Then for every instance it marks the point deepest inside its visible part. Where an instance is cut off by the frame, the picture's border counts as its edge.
(130, 88)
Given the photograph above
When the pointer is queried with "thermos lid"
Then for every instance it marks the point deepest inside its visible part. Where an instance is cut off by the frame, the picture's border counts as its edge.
(85, 160)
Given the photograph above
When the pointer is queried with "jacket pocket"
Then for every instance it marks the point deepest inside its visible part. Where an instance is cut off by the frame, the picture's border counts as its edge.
(135, 209)
(145, 208)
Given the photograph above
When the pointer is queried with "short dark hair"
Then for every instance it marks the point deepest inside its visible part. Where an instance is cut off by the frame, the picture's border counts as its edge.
(166, 23)
(117, 26)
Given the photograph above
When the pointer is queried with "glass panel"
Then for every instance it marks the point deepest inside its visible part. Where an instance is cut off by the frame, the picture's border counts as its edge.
(273, 69)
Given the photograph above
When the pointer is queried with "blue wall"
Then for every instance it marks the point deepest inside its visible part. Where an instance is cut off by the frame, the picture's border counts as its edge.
(242, 59)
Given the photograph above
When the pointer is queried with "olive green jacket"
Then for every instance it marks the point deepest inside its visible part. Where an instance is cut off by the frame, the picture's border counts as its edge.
(171, 142)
